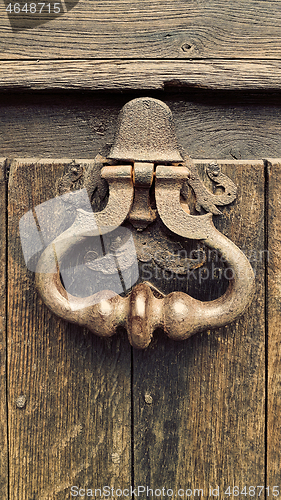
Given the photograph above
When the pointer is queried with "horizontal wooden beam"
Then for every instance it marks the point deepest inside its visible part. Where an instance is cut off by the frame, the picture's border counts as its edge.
(140, 74)
(143, 29)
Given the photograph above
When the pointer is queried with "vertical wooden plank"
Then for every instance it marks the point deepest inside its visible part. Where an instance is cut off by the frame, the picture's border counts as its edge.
(274, 325)
(199, 404)
(3, 373)
(69, 391)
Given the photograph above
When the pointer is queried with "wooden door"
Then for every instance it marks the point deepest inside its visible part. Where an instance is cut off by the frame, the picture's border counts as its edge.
(199, 418)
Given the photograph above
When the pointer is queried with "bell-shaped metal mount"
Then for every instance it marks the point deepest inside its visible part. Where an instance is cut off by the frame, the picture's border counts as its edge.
(145, 132)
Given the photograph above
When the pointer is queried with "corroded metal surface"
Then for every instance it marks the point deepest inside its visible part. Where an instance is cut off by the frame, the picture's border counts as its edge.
(146, 138)
(141, 214)
(145, 132)
(179, 320)
(204, 199)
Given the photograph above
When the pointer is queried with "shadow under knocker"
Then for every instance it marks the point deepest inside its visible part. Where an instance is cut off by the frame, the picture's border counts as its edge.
(145, 148)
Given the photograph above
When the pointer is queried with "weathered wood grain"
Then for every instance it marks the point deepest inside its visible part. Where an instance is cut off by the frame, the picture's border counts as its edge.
(208, 124)
(199, 405)
(151, 29)
(140, 74)
(274, 322)
(69, 391)
(3, 371)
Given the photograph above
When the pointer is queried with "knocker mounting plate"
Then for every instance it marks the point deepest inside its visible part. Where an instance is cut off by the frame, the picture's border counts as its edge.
(155, 205)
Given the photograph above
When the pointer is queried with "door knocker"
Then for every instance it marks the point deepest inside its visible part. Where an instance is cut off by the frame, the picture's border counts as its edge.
(147, 176)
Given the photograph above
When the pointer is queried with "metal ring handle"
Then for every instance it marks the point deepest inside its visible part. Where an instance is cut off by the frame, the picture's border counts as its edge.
(141, 312)
(146, 136)
(185, 315)
(91, 311)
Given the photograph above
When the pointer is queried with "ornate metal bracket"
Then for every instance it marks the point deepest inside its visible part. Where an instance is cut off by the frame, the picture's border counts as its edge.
(148, 176)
